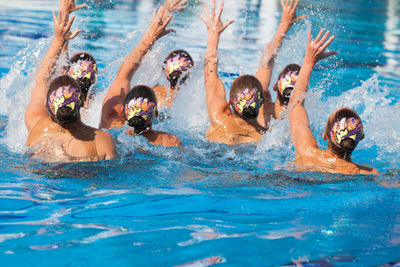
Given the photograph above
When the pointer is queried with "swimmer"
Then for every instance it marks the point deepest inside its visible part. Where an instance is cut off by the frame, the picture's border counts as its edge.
(177, 66)
(287, 77)
(344, 129)
(82, 65)
(83, 68)
(120, 102)
(56, 132)
(140, 108)
(239, 124)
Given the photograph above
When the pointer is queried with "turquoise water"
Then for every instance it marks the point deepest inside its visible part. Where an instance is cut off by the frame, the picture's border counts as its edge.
(207, 203)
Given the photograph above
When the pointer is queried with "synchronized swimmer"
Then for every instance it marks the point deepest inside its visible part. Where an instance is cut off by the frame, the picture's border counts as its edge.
(57, 133)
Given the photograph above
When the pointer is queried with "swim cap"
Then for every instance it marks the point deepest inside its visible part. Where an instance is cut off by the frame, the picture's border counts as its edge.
(286, 85)
(64, 96)
(346, 128)
(248, 102)
(176, 66)
(85, 72)
(142, 108)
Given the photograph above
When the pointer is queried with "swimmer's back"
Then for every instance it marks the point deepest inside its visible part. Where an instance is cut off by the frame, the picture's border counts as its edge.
(318, 160)
(48, 141)
(233, 131)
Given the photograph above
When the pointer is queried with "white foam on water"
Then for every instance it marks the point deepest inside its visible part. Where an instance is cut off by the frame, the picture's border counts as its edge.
(15, 91)
(189, 119)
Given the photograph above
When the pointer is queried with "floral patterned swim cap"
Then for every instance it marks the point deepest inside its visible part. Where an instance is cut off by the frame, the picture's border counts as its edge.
(140, 107)
(346, 128)
(177, 67)
(65, 96)
(83, 69)
(248, 98)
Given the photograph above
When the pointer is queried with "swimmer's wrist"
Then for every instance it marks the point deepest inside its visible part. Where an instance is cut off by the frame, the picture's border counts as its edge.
(283, 27)
(148, 40)
(308, 64)
(59, 40)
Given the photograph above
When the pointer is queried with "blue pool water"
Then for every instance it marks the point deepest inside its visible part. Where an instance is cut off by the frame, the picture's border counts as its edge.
(206, 204)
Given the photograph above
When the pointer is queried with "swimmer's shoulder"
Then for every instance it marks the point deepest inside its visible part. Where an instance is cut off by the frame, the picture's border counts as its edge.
(104, 145)
(315, 159)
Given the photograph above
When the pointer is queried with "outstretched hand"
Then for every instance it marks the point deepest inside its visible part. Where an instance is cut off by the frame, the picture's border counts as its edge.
(289, 16)
(213, 21)
(159, 23)
(62, 26)
(316, 48)
(175, 5)
(69, 6)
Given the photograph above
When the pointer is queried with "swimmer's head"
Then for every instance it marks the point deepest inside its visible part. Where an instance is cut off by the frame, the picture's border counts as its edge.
(83, 69)
(344, 130)
(286, 81)
(177, 66)
(64, 100)
(246, 96)
(140, 108)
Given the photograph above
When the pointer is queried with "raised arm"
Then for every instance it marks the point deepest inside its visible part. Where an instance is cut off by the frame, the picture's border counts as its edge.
(113, 101)
(215, 91)
(289, 18)
(37, 105)
(68, 6)
(302, 137)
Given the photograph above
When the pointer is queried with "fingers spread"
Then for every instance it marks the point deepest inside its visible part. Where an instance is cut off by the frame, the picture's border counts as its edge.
(80, 7)
(73, 35)
(324, 38)
(54, 18)
(309, 36)
(169, 31)
(59, 17)
(328, 42)
(228, 23)
(168, 20)
(301, 17)
(206, 11)
(65, 18)
(220, 11)
(71, 20)
(203, 19)
(316, 40)
(297, 3)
